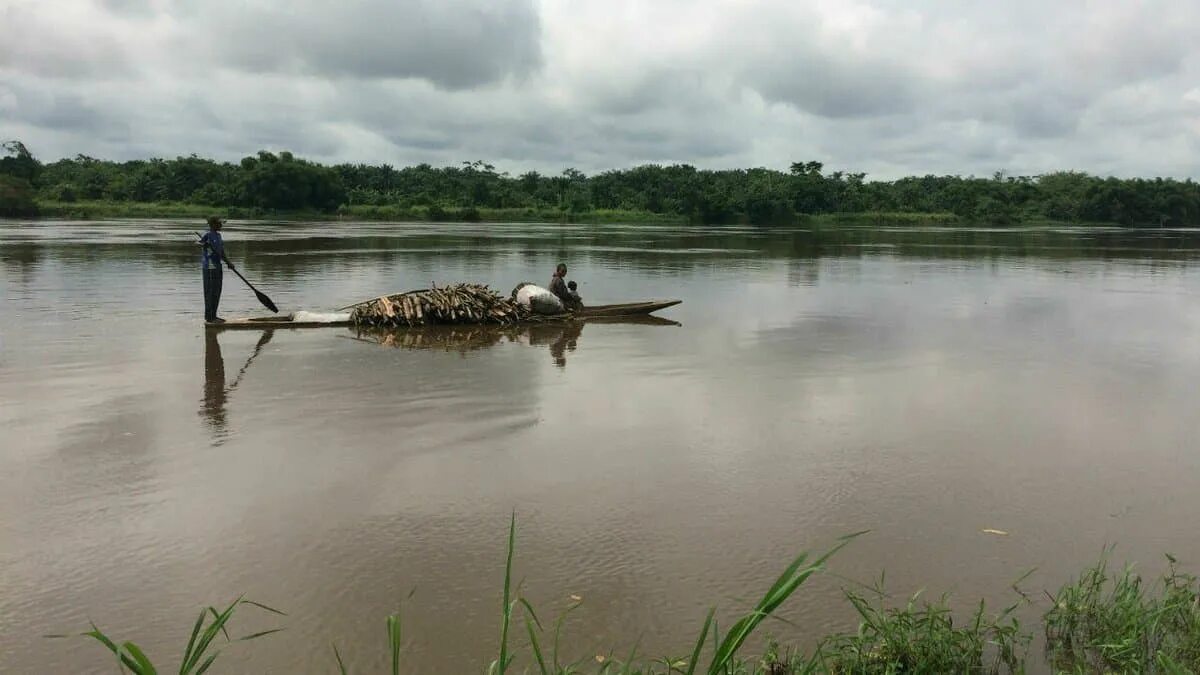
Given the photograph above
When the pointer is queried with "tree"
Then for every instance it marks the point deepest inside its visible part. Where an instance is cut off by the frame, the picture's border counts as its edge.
(18, 171)
(763, 196)
(19, 162)
(16, 197)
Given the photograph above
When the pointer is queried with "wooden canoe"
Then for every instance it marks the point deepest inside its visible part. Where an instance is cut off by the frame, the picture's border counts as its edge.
(594, 312)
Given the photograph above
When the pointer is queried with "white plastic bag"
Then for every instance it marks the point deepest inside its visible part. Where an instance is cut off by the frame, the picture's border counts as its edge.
(320, 317)
(539, 300)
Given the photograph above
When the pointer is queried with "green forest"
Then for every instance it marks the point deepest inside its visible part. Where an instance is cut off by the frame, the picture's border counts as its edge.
(269, 184)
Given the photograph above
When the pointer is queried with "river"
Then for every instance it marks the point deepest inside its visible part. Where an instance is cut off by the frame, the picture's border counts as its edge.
(924, 384)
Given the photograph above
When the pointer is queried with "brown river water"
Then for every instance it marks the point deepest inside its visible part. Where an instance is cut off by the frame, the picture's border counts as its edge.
(924, 384)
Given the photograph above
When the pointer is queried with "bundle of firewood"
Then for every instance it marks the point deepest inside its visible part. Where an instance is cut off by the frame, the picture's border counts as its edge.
(454, 304)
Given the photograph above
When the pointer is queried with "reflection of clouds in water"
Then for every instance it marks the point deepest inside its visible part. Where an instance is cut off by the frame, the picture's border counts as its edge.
(108, 452)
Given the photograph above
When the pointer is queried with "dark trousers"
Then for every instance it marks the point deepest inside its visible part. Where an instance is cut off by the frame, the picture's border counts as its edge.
(212, 293)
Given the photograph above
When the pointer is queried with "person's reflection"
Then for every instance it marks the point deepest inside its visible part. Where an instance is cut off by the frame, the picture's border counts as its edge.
(216, 393)
(560, 337)
(214, 385)
(566, 341)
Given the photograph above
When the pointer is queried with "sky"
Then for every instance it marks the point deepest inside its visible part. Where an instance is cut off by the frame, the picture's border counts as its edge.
(886, 87)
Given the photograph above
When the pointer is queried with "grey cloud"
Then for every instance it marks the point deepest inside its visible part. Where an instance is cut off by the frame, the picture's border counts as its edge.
(63, 110)
(469, 126)
(648, 89)
(1043, 119)
(138, 8)
(33, 42)
(831, 88)
(889, 87)
(453, 45)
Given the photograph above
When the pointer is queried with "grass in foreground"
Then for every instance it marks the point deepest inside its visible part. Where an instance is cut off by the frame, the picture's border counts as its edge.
(1099, 623)
(922, 638)
(201, 650)
(1111, 622)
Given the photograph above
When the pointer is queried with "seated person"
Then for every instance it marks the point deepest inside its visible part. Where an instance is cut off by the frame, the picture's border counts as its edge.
(573, 291)
(558, 283)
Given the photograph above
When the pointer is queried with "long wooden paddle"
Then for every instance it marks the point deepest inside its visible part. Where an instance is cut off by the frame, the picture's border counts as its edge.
(262, 297)
(262, 342)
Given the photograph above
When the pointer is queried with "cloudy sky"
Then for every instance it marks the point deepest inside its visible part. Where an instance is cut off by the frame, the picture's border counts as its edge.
(890, 87)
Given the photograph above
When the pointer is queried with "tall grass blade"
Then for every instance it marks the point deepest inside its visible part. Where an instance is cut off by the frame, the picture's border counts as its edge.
(536, 647)
(506, 611)
(207, 636)
(254, 636)
(394, 635)
(104, 640)
(787, 583)
(262, 606)
(144, 665)
(691, 667)
(187, 653)
(124, 660)
(529, 608)
(534, 644)
(341, 666)
(217, 617)
(626, 667)
(562, 618)
(208, 663)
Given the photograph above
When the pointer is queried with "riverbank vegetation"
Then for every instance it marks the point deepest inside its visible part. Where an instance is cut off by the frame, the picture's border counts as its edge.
(280, 184)
(1101, 622)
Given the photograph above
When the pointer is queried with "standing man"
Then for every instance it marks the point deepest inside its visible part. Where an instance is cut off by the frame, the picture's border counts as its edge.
(214, 255)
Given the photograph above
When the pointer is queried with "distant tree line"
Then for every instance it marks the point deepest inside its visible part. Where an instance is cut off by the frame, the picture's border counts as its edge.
(283, 182)
(18, 173)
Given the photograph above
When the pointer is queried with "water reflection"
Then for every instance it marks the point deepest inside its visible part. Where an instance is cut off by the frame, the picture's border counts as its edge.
(299, 250)
(22, 260)
(216, 394)
(560, 337)
(922, 384)
(213, 407)
(560, 344)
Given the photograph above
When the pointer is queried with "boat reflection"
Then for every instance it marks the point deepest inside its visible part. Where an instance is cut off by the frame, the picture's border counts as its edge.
(561, 337)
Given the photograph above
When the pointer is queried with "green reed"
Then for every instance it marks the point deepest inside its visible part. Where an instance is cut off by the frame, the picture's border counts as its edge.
(922, 638)
(201, 650)
(1111, 621)
(1099, 623)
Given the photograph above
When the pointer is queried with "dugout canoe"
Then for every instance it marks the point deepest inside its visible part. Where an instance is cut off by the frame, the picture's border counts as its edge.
(594, 312)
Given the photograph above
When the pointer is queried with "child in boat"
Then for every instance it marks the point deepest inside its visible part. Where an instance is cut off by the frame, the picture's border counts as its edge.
(573, 291)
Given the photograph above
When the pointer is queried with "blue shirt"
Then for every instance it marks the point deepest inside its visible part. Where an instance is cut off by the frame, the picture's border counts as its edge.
(211, 259)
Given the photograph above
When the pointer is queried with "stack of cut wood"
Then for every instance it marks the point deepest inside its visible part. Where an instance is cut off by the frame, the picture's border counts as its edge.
(454, 304)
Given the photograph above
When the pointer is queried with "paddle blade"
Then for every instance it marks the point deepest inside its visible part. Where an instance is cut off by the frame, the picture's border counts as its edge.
(266, 301)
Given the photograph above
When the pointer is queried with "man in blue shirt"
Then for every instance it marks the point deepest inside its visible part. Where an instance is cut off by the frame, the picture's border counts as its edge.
(210, 262)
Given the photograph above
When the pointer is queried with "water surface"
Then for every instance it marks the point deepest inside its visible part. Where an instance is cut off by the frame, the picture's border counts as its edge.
(921, 383)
